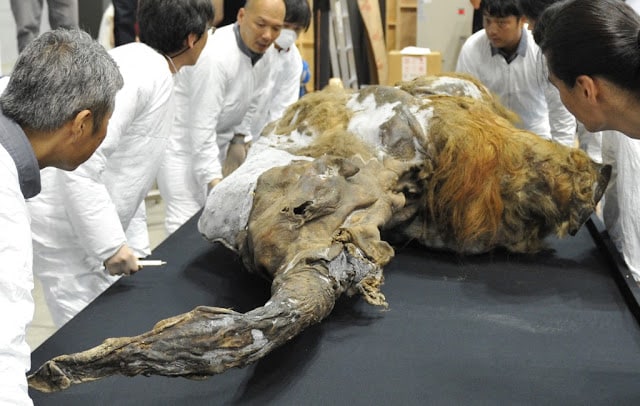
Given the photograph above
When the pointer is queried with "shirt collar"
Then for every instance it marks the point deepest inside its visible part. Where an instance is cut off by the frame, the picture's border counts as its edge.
(254, 56)
(521, 50)
(15, 141)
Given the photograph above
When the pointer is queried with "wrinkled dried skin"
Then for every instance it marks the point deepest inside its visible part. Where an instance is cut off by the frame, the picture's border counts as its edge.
(319, 210)
(320, 186)
(200, 343)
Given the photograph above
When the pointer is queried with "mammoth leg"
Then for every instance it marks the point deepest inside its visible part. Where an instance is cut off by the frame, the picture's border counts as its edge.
(202, 342)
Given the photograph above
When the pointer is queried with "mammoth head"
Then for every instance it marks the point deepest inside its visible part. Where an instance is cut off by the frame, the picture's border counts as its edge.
(497, 186)
(583, 211)
(576, 185)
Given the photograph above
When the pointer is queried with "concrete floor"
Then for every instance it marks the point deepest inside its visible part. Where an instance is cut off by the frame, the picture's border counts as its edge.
(42, 326)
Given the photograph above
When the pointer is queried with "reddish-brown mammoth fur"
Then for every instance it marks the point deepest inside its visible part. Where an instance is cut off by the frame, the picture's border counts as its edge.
(493, 185)
(481, 182)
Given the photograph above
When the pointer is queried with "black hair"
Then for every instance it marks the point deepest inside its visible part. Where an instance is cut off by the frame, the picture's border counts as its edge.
(591, 37)
(298, 12)
(165, 24)
(533, 8)
(501, 8)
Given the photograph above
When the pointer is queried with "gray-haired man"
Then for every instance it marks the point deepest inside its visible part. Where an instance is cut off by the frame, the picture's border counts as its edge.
(53, 112)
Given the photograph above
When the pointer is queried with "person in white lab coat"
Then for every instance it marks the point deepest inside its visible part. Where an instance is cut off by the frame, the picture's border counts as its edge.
(216, 101)
(593, 56)
(89, 226)
(590, 142)
(286, 66)
(621, 211)
(507, 60)
(53, 112)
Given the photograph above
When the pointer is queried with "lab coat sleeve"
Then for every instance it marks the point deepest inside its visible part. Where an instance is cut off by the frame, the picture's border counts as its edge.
(261, 81)
(16, 283)
(137, 233)
(621, 211)
(206, 83)
(287, 87)
(466, 63)
(89, 206)
(561, 121)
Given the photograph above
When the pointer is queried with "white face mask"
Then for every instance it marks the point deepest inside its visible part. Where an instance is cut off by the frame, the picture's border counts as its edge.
(286, 38)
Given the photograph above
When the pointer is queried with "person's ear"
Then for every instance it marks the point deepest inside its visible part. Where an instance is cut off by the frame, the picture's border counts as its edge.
(192, 39)
(587, 88)
(82, 125)
(522, 20)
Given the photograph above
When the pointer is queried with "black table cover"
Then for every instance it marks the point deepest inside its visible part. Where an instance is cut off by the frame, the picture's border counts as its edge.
(494, 329)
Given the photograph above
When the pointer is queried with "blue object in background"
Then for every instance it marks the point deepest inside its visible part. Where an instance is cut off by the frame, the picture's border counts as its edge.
(304, 77)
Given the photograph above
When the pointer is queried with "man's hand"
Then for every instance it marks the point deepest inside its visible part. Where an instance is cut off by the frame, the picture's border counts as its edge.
(123, 262)
(236, 155)
(212, 184)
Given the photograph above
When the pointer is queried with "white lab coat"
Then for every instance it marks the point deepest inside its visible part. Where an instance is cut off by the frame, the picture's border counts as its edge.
(105, 32)
(521, 85)
(215, 98)
(621, 210)
(80, 218)
(283, 88)
(634, 4)
(16, 284)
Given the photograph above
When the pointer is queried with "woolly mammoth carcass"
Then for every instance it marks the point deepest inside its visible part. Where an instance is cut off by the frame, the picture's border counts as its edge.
(324, 194)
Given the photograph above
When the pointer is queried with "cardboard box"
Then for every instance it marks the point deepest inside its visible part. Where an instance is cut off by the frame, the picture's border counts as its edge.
(407, 66)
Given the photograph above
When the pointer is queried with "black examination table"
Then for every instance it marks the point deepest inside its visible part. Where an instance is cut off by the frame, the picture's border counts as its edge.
(557, 328)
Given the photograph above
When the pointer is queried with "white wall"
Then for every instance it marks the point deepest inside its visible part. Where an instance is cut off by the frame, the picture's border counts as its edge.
(444, 25)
